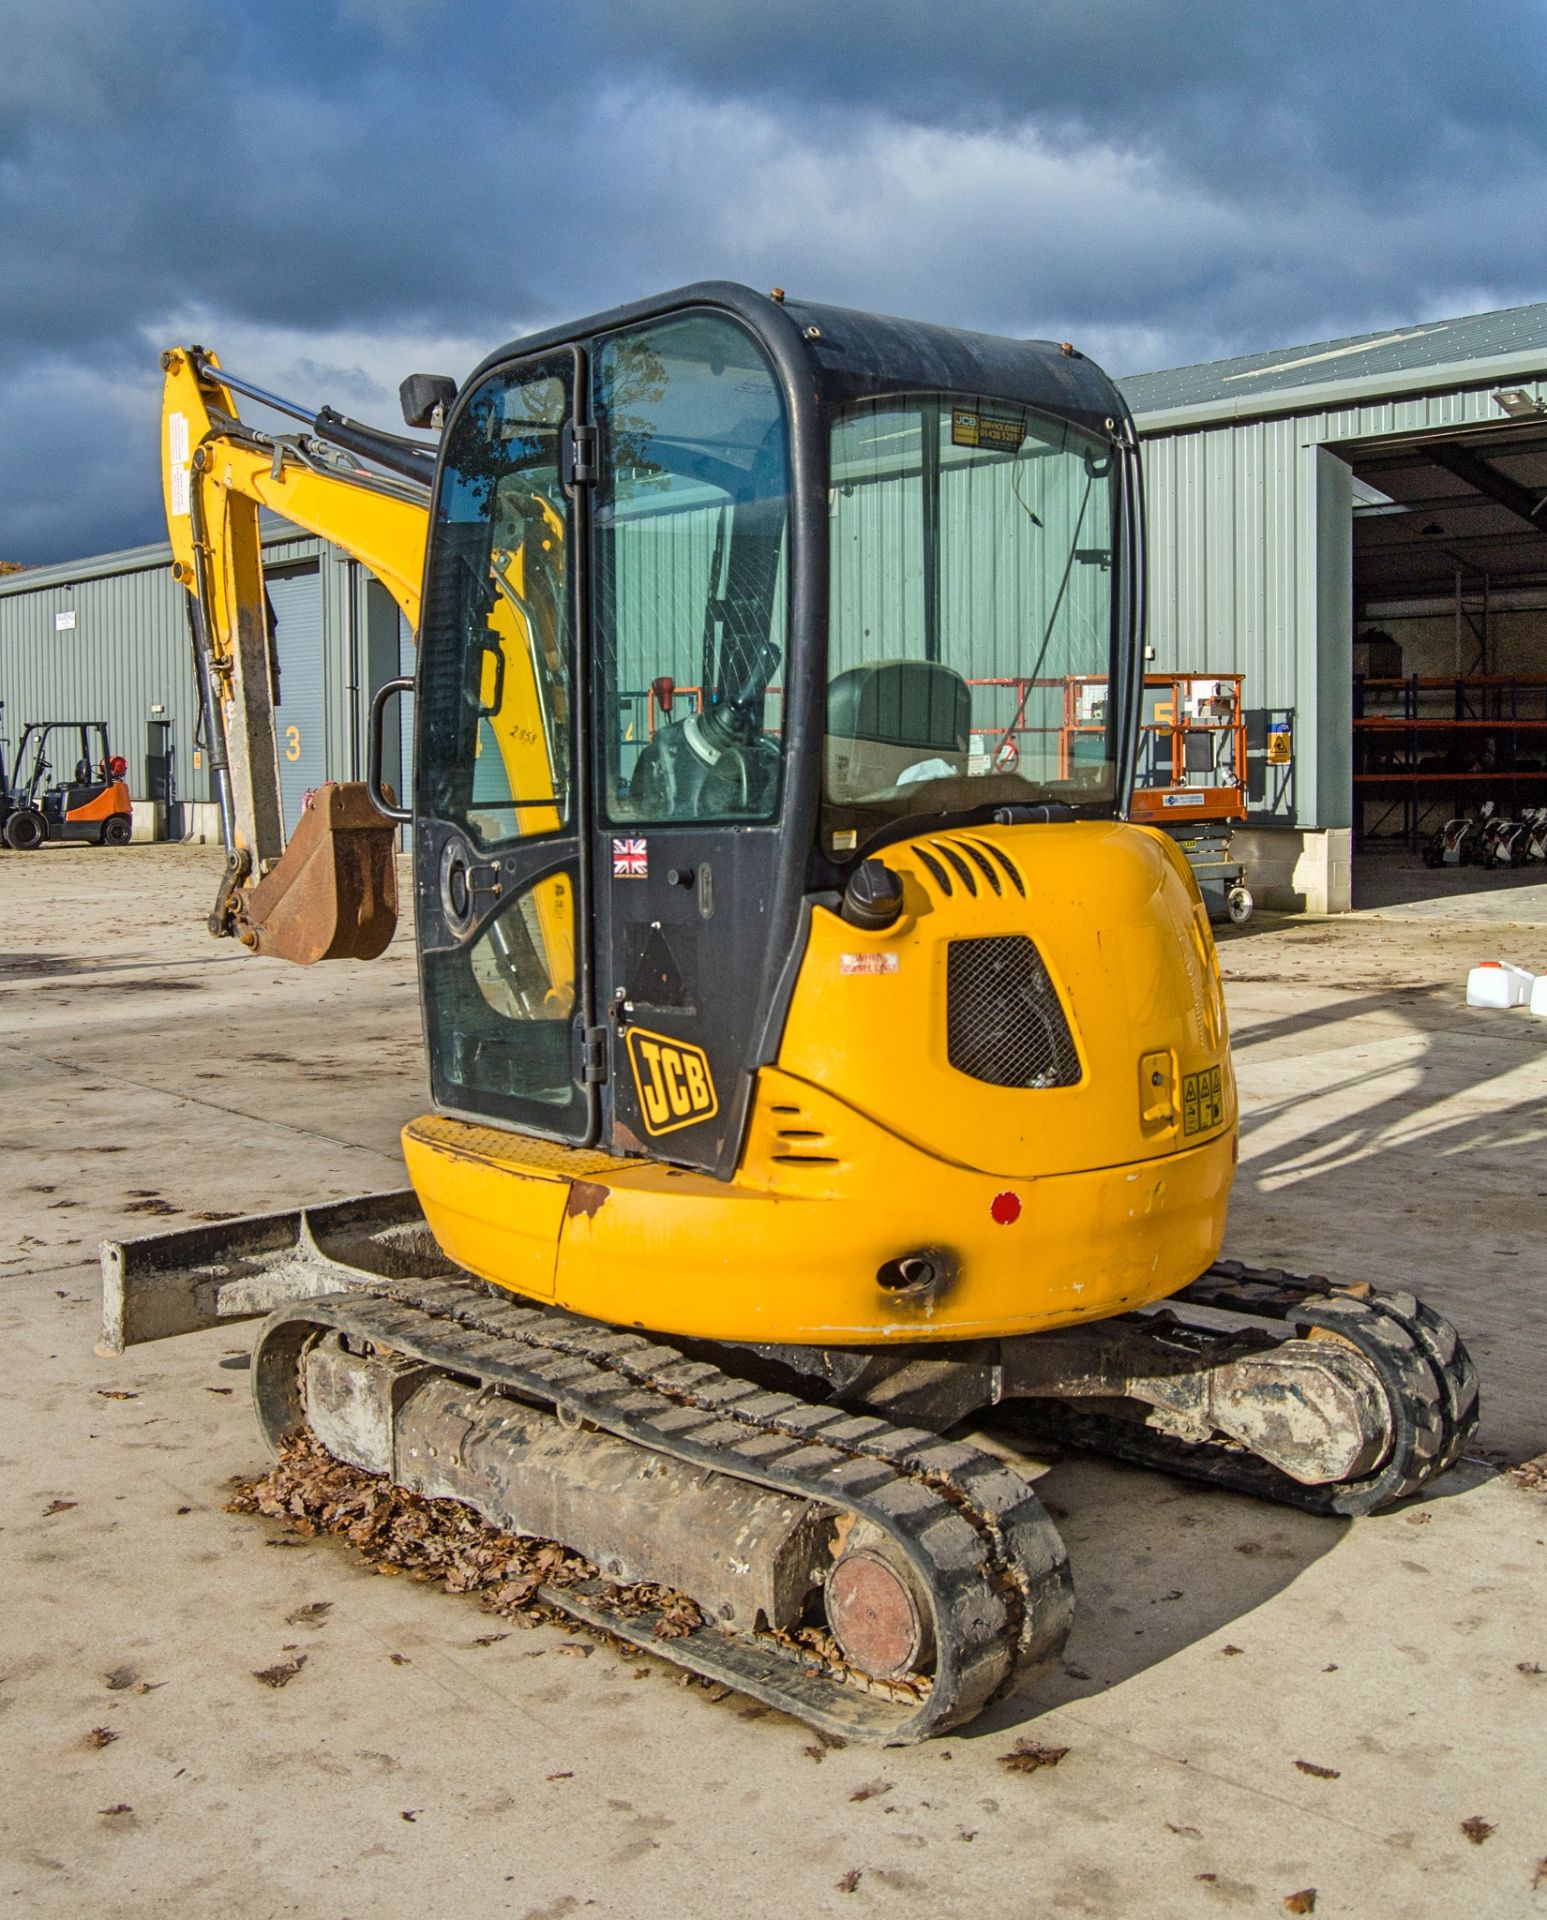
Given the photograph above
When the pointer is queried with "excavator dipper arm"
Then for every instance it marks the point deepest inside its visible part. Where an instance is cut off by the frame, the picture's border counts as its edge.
(329, 889)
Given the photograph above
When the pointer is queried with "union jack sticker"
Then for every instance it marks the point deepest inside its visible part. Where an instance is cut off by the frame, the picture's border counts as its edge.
(630, 859)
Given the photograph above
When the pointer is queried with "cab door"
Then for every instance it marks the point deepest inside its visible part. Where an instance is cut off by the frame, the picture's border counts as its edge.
(689, 603)
(501, 888)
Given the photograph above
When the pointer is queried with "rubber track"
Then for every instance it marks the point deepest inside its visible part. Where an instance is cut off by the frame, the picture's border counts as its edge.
(1420, 1359)
(992, 1563)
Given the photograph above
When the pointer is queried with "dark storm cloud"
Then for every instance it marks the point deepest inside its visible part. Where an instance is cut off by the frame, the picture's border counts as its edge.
(334, 185)
(1376, 98)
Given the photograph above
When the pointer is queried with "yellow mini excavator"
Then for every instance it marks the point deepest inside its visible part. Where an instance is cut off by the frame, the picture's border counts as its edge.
(819, 1061)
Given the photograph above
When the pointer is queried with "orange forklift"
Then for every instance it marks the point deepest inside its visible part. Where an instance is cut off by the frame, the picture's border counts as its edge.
(91, 804)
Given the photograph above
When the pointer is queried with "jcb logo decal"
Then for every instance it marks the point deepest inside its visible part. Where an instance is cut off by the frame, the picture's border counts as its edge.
(675, 1086)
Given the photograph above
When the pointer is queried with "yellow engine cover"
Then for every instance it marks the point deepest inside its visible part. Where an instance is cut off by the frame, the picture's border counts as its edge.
(887, 1190)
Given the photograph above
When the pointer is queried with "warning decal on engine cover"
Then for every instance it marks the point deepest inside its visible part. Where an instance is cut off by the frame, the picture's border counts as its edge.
(1203, 1100)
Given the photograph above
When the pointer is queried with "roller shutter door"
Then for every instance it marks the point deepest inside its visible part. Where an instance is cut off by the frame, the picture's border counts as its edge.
(295, 594)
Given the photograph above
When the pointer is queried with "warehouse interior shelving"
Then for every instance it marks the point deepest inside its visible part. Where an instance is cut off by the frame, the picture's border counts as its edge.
(1449, 707)
(1456, 740)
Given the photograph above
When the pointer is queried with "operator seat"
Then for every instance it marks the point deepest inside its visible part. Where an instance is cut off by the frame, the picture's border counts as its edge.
(888, 716)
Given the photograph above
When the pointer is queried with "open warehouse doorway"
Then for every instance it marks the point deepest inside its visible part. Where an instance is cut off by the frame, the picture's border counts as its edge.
(1449, 706)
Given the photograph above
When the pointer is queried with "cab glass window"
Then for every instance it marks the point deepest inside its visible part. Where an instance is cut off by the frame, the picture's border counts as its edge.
(689, 579)
(494, 710)
(971, 620)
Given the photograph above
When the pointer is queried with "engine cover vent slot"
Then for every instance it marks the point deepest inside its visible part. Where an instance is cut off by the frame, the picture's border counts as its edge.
(1004, 1021)
(963, 859)
(948, 852)
(937, 872)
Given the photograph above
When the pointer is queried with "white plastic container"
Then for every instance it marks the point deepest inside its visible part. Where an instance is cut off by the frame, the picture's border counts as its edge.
(1539, 996)
(1496, 983)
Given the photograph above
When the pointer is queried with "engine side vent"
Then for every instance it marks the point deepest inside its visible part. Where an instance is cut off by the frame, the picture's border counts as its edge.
(1004, 1023)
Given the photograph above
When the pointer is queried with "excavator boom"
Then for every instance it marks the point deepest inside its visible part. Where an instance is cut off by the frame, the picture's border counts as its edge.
(327, 889)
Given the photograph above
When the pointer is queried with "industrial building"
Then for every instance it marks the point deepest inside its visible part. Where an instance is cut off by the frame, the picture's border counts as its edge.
(108, 639)
(1356, 527)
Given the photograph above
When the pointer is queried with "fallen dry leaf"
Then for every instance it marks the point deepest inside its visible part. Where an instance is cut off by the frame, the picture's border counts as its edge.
(846, 1883)
(226, 1390)
(1302, 1902)
(1192, 1833)
(115, 1393)
(147, 1686)
(1230, 1650)
(400, 1659)
(99, 1737)
(1530, 1668)
(1331, 1667)
(314, 1615)
(1477, 1829)
(1539, 1878)
(1318, 1773)
(1028, 1756)
(870, 1789)
(438, 1540)
(59, 1506)
(120, 1679)
(559, 1776)
(280, 1675)
(573, 1651)
(816, 1753)
(122, 1807)
(410, 1814)
(489, 1639)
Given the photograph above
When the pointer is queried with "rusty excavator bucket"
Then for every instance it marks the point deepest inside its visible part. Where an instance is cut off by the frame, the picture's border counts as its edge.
(333, 893)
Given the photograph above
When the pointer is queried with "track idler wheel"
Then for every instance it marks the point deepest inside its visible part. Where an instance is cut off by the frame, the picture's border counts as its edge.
(876, 1610)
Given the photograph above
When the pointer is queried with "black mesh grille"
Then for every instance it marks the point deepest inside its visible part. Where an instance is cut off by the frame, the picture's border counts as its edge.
(1003, 1020)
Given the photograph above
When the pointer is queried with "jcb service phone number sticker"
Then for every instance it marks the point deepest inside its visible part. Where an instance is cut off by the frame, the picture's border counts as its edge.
(1203, 1100)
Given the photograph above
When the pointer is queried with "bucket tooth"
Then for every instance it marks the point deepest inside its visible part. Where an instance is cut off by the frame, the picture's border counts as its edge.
(332, 895)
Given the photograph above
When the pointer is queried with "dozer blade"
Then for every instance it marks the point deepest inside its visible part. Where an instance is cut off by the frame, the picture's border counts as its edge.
(197, 1277)
(333, 893)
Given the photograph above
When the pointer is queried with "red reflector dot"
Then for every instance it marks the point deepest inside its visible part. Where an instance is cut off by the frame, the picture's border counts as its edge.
(1006, 1208)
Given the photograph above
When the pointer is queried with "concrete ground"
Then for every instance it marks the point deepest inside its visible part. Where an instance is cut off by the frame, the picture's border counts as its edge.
(153, 1077)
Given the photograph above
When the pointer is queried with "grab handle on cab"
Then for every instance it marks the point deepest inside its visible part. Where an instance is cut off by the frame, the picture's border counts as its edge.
(380, 798)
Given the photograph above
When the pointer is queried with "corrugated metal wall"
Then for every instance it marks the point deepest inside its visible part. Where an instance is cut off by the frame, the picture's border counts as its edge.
(1249, 553)
(128, 654)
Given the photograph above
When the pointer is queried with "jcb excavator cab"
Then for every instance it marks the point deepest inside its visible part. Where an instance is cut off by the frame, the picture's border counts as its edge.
(725, 596)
